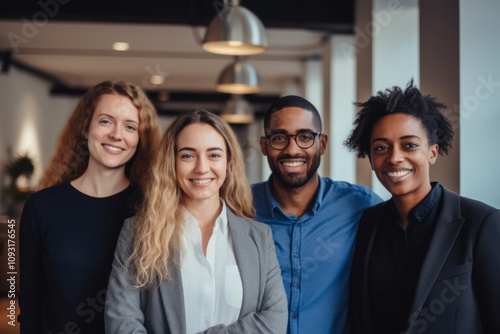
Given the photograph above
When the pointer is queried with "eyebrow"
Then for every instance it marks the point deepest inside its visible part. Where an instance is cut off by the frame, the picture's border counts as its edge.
(192, 149)
(276, 131)
(108, 115)
(402, 137)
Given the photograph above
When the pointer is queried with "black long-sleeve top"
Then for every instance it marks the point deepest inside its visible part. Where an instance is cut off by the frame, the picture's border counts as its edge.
(67, 243)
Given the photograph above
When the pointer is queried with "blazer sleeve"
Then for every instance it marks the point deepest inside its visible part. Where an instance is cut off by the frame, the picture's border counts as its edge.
(31, 272)
(486, 272)
(272, 315)
(123, 313)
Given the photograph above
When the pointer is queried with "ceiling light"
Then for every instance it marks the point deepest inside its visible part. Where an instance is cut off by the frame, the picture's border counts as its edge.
(235, 31)
(237, 111)
(239, 77)
(121, 46)
(156, 79)
(163, 96)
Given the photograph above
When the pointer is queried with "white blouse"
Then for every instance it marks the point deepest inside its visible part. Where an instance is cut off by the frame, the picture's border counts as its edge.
(213, 292)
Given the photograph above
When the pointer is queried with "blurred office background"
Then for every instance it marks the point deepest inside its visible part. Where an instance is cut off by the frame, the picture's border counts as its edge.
(332, 53)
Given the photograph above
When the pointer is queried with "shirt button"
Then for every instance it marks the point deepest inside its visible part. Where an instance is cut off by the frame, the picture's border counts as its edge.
(297, 286)
(296, 255)
(294, 316)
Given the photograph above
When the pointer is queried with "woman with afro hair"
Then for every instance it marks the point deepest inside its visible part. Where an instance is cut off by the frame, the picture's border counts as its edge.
(427, 260)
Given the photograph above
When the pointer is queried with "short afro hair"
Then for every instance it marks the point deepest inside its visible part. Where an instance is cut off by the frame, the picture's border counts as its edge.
(396, 100)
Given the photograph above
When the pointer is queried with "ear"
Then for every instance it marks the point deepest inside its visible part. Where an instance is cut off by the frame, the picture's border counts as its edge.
(323, 141)
(263, 145)
(433, 153)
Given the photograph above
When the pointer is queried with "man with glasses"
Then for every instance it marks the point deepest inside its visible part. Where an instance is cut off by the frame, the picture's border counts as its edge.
(314, 219)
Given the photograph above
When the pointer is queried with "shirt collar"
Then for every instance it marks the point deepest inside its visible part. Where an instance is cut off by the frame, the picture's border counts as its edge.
(220, 222)
(275, 207)
(422, 209)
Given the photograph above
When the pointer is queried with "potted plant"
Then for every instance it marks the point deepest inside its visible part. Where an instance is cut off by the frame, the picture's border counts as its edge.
(14, 196)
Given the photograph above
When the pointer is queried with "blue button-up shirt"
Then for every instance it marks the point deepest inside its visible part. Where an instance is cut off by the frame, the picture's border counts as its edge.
(315, 252)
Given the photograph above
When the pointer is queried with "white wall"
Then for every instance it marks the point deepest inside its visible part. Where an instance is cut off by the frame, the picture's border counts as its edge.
(480, 100)
(30, 119)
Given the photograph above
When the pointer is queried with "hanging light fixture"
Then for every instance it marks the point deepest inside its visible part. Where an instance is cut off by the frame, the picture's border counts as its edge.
(239, 77)
(237, 111)
(235, 31)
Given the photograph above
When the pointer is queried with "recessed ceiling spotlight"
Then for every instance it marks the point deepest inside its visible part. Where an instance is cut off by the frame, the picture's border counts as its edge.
(121, 46)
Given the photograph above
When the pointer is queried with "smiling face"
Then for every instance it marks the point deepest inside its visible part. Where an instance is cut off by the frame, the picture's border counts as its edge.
(293, 167)
(200, 163)
(113, 133)
(400, 155)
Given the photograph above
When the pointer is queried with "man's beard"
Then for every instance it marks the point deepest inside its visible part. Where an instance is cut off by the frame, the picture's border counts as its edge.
(295, 180)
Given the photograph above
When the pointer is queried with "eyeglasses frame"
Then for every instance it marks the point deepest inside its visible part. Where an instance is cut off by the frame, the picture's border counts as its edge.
(315, 134)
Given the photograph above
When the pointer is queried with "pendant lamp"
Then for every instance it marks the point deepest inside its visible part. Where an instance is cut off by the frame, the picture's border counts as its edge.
(239, 77)
(237, 111)
(235, 31)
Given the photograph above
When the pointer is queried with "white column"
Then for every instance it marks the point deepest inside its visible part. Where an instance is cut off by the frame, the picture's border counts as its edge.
(339, 72)
(395, 38)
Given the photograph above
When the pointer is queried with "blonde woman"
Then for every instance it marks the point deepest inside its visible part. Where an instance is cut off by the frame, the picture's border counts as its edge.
(193, 260)
(69, 228)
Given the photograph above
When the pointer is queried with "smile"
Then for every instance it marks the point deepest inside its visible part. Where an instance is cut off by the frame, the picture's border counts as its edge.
(112, 148)
(201, 181)
(293, 164)
(399, 173)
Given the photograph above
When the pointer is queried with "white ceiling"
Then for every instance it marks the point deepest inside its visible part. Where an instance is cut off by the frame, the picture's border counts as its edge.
(80, 54)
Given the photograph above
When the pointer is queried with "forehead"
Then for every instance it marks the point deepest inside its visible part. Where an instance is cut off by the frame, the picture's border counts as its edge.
(117, 105)
(292, 118)
(200, 136)
(398, 125)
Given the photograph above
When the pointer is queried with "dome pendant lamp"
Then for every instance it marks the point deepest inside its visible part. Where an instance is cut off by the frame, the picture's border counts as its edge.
(239, 77)
(237, 111)
(235, 31)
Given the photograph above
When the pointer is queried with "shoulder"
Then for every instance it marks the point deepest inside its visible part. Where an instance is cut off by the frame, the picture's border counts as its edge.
(49, 196)
(476, 209)
(57, 190)
(258, 188)
(249, 225)
(376, 210)
(468, 207)
(342, 188)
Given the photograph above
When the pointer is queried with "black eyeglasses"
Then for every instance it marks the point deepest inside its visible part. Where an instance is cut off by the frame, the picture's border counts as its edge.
(280, 141)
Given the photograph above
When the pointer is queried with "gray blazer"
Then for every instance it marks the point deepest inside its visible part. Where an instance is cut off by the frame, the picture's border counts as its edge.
(161, 309)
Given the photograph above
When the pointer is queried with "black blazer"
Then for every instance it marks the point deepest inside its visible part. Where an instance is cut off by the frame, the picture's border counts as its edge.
(458, 289)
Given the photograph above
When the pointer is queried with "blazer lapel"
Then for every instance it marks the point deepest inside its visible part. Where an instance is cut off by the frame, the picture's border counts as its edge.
(366, 238)
(247, 259)
(172, 297)
(445, 233)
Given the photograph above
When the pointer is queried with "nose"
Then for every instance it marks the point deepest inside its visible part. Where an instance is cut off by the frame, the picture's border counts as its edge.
(116, 133)
(397, 155)
(201, 165)
(292, 148)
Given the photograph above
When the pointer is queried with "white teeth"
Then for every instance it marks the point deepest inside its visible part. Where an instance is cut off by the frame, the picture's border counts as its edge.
(293, 164)
(112, 148)
(398, 173)
(203, 181)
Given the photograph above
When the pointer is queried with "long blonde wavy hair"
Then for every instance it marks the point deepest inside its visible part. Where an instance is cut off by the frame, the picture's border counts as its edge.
(71, 157)
(159, 224)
